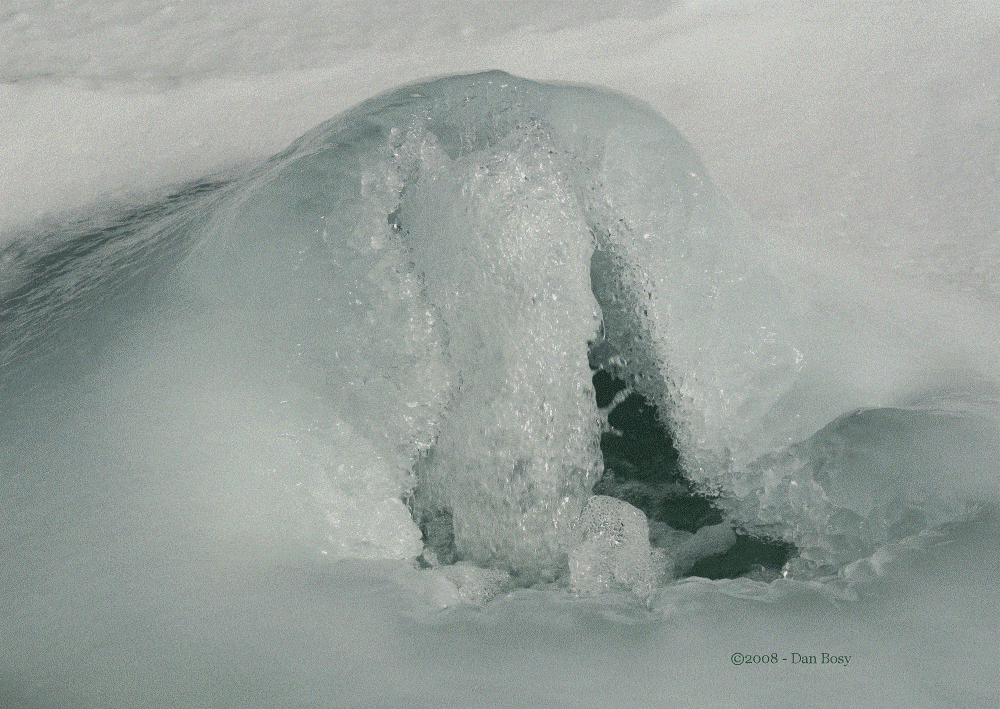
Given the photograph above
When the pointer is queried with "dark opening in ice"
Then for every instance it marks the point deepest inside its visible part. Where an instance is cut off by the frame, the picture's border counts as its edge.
(642, 468)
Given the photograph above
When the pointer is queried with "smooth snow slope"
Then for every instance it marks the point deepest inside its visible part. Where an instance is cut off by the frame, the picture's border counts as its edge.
(860, 138)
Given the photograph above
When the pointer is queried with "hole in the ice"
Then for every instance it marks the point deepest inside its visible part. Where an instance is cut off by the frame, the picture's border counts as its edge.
(438, 536)
(642, 468)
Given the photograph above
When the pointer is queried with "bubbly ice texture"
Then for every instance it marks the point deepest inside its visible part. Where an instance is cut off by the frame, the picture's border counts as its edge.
(439, 246)
(613, 551)
(411, 293)
(265, 393)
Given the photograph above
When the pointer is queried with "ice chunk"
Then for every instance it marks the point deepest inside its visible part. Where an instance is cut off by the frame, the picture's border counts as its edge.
(707, 541)
(872, 477)
(614, 552)
(459, 584)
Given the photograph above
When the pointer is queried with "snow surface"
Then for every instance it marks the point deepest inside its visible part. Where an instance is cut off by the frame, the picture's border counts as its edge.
(862, 141)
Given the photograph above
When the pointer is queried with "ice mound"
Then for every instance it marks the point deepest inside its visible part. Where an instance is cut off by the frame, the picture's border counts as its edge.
(409, 301)
(424, 268)
(457, 252)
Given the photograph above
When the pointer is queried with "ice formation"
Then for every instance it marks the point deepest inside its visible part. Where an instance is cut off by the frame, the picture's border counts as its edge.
(474, 239)
(448, 232)
(613, 552)
(416, 292)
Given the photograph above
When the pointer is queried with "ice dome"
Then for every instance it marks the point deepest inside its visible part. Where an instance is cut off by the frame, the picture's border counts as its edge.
(494, 344)
(423, 288)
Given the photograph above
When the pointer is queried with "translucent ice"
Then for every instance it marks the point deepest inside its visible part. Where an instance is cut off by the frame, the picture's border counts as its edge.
(707, 541)
(613, 552)
(395, 317)
(454, 250)
(426, 267)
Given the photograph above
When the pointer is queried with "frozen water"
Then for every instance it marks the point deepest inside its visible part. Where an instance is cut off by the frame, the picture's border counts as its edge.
(614, 551)
(413, 294)
(417, 287)
(181, 461)
(424, 269)
(707, 541)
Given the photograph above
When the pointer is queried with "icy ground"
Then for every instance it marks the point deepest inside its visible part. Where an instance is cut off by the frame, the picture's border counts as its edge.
(140, 570)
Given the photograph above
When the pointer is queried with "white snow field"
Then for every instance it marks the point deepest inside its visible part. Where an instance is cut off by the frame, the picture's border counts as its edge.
(300, 313)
